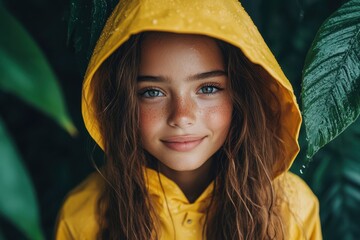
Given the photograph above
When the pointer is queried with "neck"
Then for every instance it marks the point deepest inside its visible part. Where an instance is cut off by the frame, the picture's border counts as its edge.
(192, 183)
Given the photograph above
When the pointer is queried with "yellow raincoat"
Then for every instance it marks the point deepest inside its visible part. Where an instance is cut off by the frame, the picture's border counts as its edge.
(221, 19)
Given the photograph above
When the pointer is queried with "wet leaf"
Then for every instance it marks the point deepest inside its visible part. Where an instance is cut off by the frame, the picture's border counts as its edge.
(17, 197)
(331, 77)
(25, 72)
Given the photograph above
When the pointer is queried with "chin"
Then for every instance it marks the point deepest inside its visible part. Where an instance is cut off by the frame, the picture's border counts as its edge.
(185, 166)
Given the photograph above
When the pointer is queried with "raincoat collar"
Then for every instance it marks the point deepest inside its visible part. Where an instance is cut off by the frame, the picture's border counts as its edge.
(161, 187)
(178, 218)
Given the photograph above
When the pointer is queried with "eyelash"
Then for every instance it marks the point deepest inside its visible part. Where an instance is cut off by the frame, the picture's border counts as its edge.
(215, 89)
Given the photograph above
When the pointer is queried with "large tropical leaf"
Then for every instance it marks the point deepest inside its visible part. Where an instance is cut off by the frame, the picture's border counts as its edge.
(25, 72)
(331, 77)
(86, 20)
(17, 195)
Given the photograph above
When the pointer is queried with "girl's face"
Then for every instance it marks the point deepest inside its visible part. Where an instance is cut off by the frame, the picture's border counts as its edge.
(184, 99)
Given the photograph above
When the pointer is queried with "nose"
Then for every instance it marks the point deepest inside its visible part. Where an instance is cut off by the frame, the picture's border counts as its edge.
(182, 112)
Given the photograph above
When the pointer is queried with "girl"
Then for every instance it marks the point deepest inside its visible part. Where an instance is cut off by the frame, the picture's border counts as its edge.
(199, 126)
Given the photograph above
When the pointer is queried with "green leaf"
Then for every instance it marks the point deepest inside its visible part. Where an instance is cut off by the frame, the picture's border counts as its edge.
(339, 189)
(331, 77)
(25, 72)
(17, 199)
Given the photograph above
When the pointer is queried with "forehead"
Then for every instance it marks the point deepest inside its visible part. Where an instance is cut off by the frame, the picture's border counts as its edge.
(160, 49)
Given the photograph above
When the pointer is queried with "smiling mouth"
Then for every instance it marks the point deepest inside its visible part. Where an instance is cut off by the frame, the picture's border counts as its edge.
(182, 143)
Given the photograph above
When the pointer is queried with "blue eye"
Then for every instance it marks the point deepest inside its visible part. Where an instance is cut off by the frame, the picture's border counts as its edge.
(209, 89)
(151, 93)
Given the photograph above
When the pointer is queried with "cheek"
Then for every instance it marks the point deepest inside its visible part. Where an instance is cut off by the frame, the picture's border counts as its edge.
(218, 117)
(150, 118)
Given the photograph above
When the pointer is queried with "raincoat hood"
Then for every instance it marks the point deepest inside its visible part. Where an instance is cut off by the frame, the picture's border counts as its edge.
(225, 20)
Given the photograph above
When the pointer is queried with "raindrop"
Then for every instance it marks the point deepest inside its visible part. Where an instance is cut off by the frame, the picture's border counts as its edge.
(302, 170)
(154, 21)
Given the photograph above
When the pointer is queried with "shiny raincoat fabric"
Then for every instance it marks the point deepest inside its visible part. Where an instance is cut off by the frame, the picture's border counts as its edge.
(225, 20)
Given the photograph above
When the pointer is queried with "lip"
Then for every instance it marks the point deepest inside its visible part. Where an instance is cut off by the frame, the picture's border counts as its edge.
(182, 143)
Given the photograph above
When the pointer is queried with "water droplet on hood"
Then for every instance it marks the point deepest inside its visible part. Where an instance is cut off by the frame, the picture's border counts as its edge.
(154, 21)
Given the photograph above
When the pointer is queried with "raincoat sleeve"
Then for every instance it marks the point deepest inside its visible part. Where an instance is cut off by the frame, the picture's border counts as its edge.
(300, 209)
(78, 215)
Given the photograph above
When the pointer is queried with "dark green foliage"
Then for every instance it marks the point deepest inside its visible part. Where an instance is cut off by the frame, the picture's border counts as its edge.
(86, 20)
(334, 175)
(331, 81)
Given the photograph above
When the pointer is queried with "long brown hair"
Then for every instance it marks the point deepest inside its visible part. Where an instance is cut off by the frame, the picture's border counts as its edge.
(244, 202)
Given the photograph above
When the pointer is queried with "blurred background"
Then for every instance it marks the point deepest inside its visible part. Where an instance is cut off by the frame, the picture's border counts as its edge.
(56, 161)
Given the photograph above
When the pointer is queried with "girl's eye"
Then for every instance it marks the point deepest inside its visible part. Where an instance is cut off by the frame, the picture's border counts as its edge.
(151, 93)
(209, 89)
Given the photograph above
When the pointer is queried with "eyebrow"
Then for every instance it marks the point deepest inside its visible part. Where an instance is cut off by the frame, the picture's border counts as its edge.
(199, 76)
